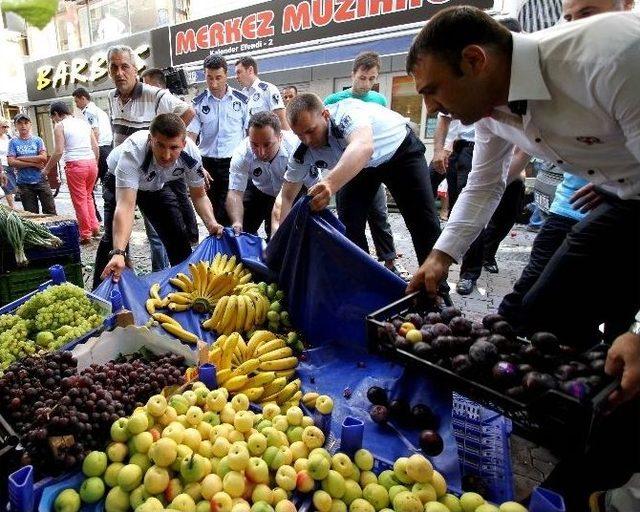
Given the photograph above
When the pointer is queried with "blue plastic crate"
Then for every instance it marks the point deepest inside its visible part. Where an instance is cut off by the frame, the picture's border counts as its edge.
(482, 436)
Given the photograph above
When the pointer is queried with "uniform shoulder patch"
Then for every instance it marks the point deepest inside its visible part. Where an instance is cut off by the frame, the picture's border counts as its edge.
(198, 99)
(263, 85)
(298, 154)
(188, 159)
(240, 96)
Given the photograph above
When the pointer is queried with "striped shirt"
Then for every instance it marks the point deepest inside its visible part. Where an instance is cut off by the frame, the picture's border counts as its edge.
(146, 103)
(537, 15)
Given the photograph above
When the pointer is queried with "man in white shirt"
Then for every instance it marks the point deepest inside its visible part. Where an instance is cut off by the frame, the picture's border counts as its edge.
(262, 96)
(143, 166)
(566, 95)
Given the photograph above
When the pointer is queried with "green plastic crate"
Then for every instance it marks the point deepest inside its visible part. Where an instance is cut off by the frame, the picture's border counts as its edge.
(18, 283)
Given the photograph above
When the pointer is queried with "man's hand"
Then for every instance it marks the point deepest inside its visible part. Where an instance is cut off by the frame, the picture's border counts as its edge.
(215, 229)
(434, 269)
(321, 193)
(440, 161)
(3, 179)
(207, 179)
(114, 268)
(237, 227)
(623, 361)
(586, 198)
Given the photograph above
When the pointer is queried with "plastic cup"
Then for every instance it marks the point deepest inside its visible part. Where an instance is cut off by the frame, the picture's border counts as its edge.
(21, 489)
(351, 435)
(207, 375)
(116, 300)
(544, 500)
(57, 274)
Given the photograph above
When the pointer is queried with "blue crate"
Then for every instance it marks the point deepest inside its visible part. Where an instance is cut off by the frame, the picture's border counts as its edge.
(482, 436)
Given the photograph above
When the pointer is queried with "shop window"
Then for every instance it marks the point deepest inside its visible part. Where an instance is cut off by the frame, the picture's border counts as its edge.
(147, 14)
(72, 27)
(109, 20)
(405, 100)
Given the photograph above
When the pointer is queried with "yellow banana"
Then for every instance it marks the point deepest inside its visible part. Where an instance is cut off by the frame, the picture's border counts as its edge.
(235, 383)
(209, 324)
(288, 391)
(281, 364)
(181, 285)
(178, 307)
(228, 320)
(250, 318)
(150, 304)
(245, 279)
(231, 263)
(241, 348)
(215, 263)
(188, 283)
(261, 379)
(253, 394)
(179, 332)
(154, 291)
(227, 350)
(180, 298)
(309, 399)
(258, 338)
(218, 312)
(295, 399)
(275, 387)
(214, 355)
(222, 263)
(270, 346)
(247, 367)
(222, 375)
(241, 314)
(280, 353)
(165, 319)
(286, 373)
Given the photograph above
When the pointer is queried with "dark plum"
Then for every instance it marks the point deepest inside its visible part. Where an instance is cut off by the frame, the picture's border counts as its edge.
(460, 326)
(424, 417)
(444, 344)
(505, 374)
(515, 392)
(427, 333)
(431, 443)
(537, 382)
(546, 342)
(483, 353)
(379, 414)
(597, 365)
(595, 381)
(567, 351)
(387, 333)
(397, 323)
(461, 364)
(490, 319)
(581, 368)
(565, 372)
(399, 409)
(531, 354)
(433, 318)
(501, 342)
(449, 312)
(462, 344)
(591, 356)
(402, 343)
(479, 332)
(576, 388)
(440, 330)
(504, 328)
(423, 350)
(415, 319)
(377, 395)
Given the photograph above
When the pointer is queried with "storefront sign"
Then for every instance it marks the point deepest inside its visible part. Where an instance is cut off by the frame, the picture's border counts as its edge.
(286, 23)
(51, 78)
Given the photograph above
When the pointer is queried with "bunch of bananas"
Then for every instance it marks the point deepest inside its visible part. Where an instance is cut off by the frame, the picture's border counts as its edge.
(241, 312)
(260, 368)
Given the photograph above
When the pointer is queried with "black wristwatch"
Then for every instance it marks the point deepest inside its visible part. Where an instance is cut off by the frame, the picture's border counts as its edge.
(118, 252)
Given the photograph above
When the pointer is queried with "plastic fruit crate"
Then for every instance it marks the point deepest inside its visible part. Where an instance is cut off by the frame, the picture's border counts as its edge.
(553, 419)
(69, 252)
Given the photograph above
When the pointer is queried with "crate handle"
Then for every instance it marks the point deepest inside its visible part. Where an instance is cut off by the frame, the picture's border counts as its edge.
(351, 435)
(57, 274)
(207, 375)
(21, 489)
(544, 500)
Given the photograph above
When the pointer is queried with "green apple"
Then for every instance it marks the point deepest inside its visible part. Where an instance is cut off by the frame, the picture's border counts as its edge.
(111, 473)
(92, 489)
(299, 450)
(262, 424)
(240, 402)
(261, 506)
(153, 504)
(318, 466)
(338, 506)
(313, 437)
(142, 460)
(170, 415)
(201, 396)
(361, 505)
(257, 444)
(221, 502)
(117, 452)
(192, 469)
(301, 464)
(183, 502)
(285, 506)
(262, 492)
(203, 506)
(190, 396)
(238, 456)
(368, 477)
(138, 496)
(221, 447)
(119, 430)
(205, 449)
(210, 485)
(334, 484)
(286, 477)
(424, 491)
(67, 501)
(341, 463)
(179, 403)
(304, 482)
(156, 480)
(138, 422)
(324, 404)
(511, 506)
(388, 479)
(184, 452)
(130, 477)
(194, 489)
(243, 421)
(257, 471)
(470, 501)
(452, 502)
(321, 451)
(227, 414)
(276, 456)
(270, 411)
(163, 452)
(223, 467)
(175, 431)
(233, 484)
(307, 421)
(377, 495)
(406, 502)
(194, 415)
(280, 422)
(294, 433)
(142, 442)
(322, 501)
(439, 484)
(94, 464)
(400, 469)
(352, 490)
(192, 438)
(156, 405)
(363, 459)
(279, 494)
(487, 507)
(212, 418)
(419, 469)
(395, 490)
(436, 506)
(294, 415)
(216, 400)
(174, 488)
(117, 500)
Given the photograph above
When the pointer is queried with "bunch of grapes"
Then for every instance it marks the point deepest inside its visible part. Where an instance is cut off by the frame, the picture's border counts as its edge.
(44, 397)
(13, 339)
(53, 294)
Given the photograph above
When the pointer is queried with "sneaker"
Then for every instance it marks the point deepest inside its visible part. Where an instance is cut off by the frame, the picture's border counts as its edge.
(400, 271)
(491, 267)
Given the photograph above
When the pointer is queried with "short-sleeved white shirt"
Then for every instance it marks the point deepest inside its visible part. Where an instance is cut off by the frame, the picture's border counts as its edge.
(263, 97)
(134, 166)
(98, 118)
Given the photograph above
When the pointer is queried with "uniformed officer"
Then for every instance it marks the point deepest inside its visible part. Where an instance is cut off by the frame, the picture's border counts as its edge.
(263, 96)
(257, 172)
(143, 166)
(220, 120)
(338, 142)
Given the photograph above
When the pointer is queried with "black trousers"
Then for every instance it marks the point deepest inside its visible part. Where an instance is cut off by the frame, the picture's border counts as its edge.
(161, 208)
(33, 195)
(485, 246)
(257, 209)
(406, 175)
(179, 188)
(218, 168)
(102, 161)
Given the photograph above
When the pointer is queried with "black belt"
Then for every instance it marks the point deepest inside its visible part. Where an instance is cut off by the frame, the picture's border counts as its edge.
(218, 160)
(460, 144)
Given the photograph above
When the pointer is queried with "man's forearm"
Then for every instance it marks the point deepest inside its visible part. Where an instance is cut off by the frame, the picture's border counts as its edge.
(276, 213)
(204, 209)
(235, 206)
(283, 119)
(53, 161)
(440, 135)
(187, 116)
(122, 226)
(287, 195)
(39, 159)
(353, 160)
(519, 161)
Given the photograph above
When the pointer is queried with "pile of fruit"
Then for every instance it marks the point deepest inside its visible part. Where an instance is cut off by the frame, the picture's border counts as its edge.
(490, 353)
(262, 368)
(61, 414)
(222, 287)
(221, 457)
(47, 321)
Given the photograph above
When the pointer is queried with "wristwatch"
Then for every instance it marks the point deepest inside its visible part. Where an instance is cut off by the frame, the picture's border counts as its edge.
(118, 252)
(635, 328)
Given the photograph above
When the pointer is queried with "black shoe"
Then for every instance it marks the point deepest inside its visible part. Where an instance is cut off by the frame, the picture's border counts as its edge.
(465, 286)
(491, 267)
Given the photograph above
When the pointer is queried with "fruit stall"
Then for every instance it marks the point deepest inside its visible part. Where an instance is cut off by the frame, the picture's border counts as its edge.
(296, 378)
